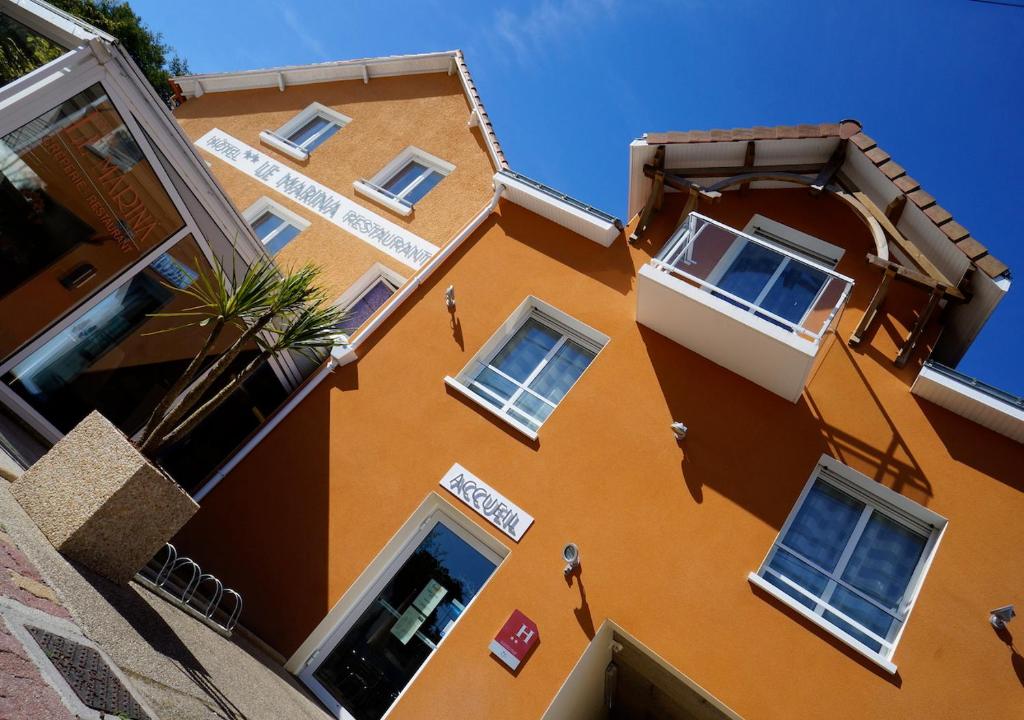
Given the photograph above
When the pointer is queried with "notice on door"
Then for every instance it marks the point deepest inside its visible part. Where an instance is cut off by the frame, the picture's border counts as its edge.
(416, 614)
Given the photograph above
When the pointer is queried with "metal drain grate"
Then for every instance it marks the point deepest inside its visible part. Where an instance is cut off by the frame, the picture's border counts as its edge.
(88, 674)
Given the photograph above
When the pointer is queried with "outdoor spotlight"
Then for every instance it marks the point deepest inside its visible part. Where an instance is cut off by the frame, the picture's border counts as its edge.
(449, 298)
(679, 430)
(1001, 617)
(571, 555)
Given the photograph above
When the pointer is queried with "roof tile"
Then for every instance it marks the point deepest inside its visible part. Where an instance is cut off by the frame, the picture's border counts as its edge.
(991, 266)
(862, 141)
(920, 198)
(938, 214)
(954, 230)
(906, 183)
(892, 169)
(972, 248)
(877, 155)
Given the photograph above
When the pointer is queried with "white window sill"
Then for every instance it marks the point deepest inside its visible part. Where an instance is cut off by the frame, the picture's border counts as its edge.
(269, 138)
(366, 189)
(472, 396)
(762, 584)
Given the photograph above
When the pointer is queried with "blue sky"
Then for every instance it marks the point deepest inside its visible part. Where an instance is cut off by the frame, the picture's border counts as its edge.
(568, 84)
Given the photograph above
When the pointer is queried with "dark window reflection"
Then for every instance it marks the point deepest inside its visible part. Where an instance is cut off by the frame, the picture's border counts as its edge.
(79, 204)
(22, 49)
(376, 659)
(115, 359)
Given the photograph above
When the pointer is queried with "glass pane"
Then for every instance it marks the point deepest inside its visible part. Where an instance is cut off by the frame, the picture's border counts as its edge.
(304, 134)
(425, 186)
(322, 137)
(395, 635)
(875, 620)
(750, 271)
(800, 573)
(523, 353)
(793, 291)
(22, 49)
(104, 361)
(531, 409)
(266, 224)
(285, 236)
(496, 384)
(884, 560)
(823, 525)
(404, 177)
(367, 305)
(561, 371)
(78, 205)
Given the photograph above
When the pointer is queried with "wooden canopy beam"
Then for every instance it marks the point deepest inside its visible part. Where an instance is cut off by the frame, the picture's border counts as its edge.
(907, 349)
(730, 170)
(872, 309)
(909, 249)
(759, 174)
(656, 196)
(830, 168)
(748, 162)
(915, 278)
(894, 210)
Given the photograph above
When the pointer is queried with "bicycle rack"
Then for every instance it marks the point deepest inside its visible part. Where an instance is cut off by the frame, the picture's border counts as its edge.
(180, 581)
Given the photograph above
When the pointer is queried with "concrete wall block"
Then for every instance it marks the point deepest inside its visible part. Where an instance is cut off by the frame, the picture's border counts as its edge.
(100, 502)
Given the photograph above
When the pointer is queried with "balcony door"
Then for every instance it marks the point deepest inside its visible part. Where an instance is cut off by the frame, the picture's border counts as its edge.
(781, 283)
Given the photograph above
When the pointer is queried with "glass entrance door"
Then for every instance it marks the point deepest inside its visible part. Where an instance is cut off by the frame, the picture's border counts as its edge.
(367, 663)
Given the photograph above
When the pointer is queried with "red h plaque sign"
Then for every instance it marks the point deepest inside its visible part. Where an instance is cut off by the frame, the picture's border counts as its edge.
(515, 640)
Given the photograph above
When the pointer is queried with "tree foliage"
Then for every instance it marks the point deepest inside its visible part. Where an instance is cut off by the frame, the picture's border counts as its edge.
(157, 60)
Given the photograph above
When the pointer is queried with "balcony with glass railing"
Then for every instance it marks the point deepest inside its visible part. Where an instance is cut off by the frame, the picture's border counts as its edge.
(754, 306)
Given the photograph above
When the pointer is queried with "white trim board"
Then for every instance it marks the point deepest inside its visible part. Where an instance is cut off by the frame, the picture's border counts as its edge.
(364, 224)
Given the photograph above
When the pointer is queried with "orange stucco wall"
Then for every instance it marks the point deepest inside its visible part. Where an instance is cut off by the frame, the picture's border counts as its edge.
(667, 532)
(388, 115)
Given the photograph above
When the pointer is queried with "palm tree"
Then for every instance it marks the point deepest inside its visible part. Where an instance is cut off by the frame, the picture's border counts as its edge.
(275, 312)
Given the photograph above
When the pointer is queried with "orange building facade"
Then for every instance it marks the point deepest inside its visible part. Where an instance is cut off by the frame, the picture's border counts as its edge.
(771, 521)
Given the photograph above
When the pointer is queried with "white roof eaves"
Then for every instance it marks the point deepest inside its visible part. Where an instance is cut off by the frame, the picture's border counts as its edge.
(386, 66)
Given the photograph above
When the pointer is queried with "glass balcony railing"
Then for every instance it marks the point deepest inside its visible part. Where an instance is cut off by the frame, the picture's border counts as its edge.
(775, 285)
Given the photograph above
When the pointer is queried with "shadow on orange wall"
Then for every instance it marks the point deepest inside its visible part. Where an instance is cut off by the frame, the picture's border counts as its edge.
(894, 679)
(294, 549)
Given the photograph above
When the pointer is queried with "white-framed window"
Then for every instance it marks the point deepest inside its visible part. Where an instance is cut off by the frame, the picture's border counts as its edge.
(366, 295)
(525, 369)
(274, 224)
(306, 131)
(774, 281)
(404, 181)
(852, 557)
(369, 648)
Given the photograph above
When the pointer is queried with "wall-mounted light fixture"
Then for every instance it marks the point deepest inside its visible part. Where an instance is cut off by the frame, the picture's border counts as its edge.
(449, 298)
(1001, 617)
(571, 555)
(679, 430)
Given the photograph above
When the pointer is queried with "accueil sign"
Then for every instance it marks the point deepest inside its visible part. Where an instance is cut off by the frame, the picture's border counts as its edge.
(351, 217)
(487, 502)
